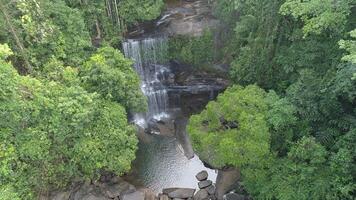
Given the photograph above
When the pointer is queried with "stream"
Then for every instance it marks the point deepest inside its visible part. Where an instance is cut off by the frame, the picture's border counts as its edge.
(161, 160)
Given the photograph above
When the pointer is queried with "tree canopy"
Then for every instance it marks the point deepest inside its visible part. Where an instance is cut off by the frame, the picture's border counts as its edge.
(302, 55)
(54, 131)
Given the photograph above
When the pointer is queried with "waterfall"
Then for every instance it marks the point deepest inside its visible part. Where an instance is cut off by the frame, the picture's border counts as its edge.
(150, 58)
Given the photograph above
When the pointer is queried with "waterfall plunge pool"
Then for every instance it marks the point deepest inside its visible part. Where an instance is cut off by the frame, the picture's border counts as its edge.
(161, 163)
(160, 160)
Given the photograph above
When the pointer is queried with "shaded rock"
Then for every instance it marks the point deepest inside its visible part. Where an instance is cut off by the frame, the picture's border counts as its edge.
(211, 189)
(182, 193)
(204, 184)
(226, 181)
(83, 191)
(228, 124)
(118, 189)
(201, 176)
(165, 127)
(134, 196)
(212, 197)
(201, 195)
(234, 196)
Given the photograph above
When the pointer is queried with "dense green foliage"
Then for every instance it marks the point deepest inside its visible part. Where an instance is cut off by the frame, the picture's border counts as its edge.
(42, 29)
(108, 73)
(54, 131)
(235, 126)
(288, 121)
(65, 118)
(196, 51)
(305, 51)
(148, 9)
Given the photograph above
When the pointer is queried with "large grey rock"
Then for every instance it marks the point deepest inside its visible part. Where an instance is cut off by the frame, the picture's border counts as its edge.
(201, 176)
(182, 193)
(134, 196)
(204, 184)
(234, 196)
(201, 195)
(211, 189)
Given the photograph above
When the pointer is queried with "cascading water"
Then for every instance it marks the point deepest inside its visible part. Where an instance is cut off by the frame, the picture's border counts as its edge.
(149, 56)
(161, 159)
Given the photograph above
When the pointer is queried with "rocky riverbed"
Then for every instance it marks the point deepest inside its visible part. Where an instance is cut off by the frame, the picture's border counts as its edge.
(111, 187)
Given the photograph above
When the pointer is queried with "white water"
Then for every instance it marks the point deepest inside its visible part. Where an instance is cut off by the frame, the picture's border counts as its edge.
(149, 56)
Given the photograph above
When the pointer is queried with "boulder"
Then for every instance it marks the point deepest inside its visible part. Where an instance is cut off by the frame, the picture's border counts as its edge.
(211, 189)
(182, 193)
(234, 196)
(118, 189)
(204, 184)
(201, 176)
(149, 194)
(201, 195)
(163, 197)
(134, 196)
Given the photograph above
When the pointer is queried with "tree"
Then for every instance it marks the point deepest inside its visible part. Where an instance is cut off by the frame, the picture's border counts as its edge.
(9, 24)
(54, 132)
(283, 123)
(45, 29)
(110, 74)
(139, 10)
(319, 16)
(350, 47)
(233, 130)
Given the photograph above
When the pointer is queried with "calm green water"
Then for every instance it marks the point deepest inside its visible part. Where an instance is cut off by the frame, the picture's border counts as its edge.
(161, 163)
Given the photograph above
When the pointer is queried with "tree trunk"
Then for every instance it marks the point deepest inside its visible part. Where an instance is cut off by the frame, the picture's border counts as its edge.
(19, 44)
(98, 31)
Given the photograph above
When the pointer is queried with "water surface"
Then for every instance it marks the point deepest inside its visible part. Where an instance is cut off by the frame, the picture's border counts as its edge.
(161, 163)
